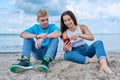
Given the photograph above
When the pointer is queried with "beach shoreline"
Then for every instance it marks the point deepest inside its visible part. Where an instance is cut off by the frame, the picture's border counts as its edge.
(60, 69)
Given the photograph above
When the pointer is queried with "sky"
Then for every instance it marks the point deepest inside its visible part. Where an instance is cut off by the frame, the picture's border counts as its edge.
(101, 16)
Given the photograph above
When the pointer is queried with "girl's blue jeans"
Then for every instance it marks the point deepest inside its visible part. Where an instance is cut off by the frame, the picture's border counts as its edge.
(39, 54)
(82, 53)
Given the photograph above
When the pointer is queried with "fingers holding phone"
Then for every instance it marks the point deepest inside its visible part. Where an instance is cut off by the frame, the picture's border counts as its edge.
(67, 44)
(67, 40)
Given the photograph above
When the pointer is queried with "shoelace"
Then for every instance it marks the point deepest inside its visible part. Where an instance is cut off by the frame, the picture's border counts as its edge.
(22, 59)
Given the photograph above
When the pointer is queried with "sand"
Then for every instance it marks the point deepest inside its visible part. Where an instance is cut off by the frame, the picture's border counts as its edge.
(60, 69)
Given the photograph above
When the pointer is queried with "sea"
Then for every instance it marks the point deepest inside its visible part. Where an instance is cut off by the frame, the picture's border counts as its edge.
(13, 42)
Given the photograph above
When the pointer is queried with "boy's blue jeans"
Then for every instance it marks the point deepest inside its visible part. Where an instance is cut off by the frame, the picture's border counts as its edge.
(50, 50)
(82, 53)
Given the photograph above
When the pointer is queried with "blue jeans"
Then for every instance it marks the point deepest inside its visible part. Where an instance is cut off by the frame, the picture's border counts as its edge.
(39, 54)
(82, 53)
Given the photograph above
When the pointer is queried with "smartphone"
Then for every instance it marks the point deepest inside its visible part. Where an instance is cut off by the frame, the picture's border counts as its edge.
(66, 40)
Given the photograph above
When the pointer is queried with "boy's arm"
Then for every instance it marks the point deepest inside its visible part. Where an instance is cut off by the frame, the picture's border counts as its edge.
(30, 32)
(26, 35)
(54, 35)
(55, 31)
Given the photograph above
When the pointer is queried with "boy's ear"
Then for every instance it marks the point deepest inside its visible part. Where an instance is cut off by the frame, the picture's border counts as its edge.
(38, 21)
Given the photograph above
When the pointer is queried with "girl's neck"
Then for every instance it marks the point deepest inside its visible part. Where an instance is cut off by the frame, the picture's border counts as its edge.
(73, 28)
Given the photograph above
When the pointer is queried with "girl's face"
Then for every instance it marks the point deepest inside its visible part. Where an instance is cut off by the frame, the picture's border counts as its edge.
(68, 21)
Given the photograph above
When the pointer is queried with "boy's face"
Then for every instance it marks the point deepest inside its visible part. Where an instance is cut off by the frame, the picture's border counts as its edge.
(43, 21)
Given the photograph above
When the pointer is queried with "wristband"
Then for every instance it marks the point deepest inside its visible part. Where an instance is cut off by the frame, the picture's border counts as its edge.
(36, 36)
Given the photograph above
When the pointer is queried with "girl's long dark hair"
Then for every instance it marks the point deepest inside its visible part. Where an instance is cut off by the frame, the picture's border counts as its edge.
(62, 25)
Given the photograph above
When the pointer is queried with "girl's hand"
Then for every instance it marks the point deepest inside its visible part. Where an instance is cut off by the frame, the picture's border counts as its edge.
(74, 37)
(67, 45)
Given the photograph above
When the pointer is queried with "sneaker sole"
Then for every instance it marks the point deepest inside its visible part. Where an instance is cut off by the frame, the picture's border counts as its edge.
(17, 69)
(43, 68)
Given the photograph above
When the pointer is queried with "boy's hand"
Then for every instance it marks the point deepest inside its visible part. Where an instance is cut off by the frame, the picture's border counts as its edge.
(38, 43)
(42, 36)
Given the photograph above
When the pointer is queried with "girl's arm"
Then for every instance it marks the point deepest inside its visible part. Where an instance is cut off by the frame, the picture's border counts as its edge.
(86, 33)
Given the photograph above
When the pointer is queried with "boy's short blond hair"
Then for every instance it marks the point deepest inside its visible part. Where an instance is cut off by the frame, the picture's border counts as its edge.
(41, 13)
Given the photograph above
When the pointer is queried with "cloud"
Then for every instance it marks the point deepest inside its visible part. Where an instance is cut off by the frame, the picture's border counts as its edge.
(101, 16)
(94, 9)
(54, 7)
(113, 10)
(15, 23)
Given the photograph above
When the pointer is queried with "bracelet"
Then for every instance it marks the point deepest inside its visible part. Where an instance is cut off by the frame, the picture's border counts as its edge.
(36, 36)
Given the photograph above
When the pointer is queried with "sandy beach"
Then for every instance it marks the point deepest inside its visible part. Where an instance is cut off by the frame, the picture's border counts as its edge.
(59, 69)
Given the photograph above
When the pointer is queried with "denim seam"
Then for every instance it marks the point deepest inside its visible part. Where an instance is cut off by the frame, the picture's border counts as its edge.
(102, 57)
(49, 56)
(86, 61)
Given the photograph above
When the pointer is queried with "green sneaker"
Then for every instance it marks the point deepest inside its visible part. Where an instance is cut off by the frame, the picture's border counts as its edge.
(22, 66)
(47, 59)
(44, 66)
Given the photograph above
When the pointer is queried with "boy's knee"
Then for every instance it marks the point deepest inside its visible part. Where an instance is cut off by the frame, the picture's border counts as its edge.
(30, 39)
(55, 39)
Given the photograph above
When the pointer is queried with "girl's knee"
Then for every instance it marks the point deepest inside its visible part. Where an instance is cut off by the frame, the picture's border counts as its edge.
(66, 56)
(99, 42)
